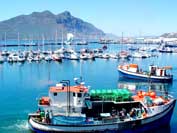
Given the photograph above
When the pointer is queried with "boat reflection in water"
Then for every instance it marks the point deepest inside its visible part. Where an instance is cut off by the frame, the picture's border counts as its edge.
(135, 85)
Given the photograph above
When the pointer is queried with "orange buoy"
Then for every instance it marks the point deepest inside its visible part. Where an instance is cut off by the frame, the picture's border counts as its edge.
(139, 93)
(152, 94)
(144, 93)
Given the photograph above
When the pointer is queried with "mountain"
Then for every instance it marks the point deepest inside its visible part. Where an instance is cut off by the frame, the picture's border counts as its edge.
(34, 25)
(169, 35)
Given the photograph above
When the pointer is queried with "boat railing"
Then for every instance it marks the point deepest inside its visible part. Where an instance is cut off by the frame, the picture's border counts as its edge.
(82, 120)
(117, 119)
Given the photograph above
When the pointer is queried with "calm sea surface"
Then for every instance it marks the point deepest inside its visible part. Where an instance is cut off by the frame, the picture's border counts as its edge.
(22, 84)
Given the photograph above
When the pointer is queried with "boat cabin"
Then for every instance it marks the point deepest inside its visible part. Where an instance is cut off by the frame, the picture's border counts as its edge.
(156, 71)
(107, 110)
(133, 68)
(130, 67)
(61, 95)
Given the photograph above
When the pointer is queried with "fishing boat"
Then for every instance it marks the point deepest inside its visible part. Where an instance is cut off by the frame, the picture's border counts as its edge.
(155, 74)
(79, 109)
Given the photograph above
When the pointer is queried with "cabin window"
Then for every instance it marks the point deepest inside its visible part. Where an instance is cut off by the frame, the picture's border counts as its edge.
(74, 94)
(79, 94)
(55, 94)
(86, 94)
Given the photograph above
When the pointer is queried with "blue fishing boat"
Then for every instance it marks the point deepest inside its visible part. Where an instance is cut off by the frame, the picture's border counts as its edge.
(96, 110)
(155, 74)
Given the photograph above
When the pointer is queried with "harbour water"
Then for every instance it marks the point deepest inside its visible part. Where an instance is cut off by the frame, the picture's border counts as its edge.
(22, 84)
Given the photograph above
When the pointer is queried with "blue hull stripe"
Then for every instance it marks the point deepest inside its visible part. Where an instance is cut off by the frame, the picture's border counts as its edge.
(143, 78)
(164, 121)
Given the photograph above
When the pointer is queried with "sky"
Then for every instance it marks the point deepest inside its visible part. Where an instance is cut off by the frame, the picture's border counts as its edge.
(132, 17)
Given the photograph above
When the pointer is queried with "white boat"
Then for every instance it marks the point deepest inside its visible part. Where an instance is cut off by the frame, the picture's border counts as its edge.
(56, 57)
(91, 56)
(123, 55)
(75, 109)
(98, 55)
(60, 50)
(48, 58)
(140, 55)
(144, 48)
(41, 56)
(30, 58)
(84, 50)
(164, 49)
(155, 74)
(48, 51)
(113, 56)
(35, 52)
(21, 58)
(62, 56)
(37, 58)
(13, 57)
(83, 56)
(105, 56)
(5, 53)
(73, 56)
(82, 43)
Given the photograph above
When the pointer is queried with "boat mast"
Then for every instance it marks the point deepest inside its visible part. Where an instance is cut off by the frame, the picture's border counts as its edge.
(121, 41)
(56, 36)
(43, 43)
(81, 71)
(5, 39)
(18, 42)
(62, 38)
(122, 38)
(32, 41)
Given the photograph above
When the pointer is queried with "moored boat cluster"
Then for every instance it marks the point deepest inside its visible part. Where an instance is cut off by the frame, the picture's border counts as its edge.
(78, 108)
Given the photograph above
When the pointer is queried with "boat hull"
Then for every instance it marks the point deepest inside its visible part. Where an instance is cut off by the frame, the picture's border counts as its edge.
(158, 120)
(165, 51)
(143, 77)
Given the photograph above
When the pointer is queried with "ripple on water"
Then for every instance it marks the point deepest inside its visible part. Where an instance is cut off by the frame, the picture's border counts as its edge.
(18, 126)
